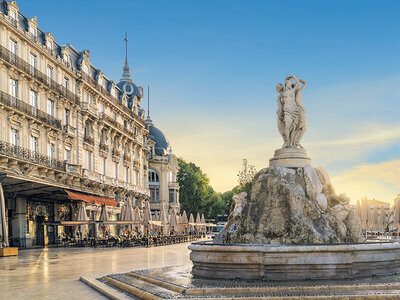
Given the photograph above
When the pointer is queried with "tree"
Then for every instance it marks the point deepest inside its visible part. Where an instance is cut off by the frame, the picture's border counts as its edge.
(247, 173)
(195, 193)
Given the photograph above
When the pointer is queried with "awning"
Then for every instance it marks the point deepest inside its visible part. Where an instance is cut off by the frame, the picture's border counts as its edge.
(91, 198)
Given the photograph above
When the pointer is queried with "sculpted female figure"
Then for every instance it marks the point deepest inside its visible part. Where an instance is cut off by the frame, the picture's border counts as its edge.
(291, 113)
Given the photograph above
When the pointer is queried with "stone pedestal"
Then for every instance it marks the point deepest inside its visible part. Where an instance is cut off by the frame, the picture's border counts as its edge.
(290, 158)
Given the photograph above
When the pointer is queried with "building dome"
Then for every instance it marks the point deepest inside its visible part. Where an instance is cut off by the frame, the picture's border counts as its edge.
(156, 135)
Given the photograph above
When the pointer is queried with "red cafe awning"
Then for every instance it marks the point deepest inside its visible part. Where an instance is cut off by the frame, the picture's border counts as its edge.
(91, 198)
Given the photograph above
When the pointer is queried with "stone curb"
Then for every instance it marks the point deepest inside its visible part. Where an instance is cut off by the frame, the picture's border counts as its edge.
(103, 289)
(134, 291)
(163, 284)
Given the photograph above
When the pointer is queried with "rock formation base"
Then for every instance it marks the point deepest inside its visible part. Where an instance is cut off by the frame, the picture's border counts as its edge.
(292, 206)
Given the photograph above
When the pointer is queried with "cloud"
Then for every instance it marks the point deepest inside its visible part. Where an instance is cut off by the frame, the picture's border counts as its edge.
(380, 181)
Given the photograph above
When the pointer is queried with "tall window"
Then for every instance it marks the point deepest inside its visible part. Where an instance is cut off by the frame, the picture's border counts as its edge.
(32, 31)
(52, 150)
(90, 160)
(67, 155)
(13, 47)
(116, 170)
(50, 107)
(49, 44)
(86, 130)
(34, 100)
(115, 116)
(172, 196)
(33, 60)
(14, 137)
(66, 58)
(35, 144)
(104, 166)
(66, 83)
(14, 88)
(85, 69)
(137, 177)
(153, 176)
(127, 175)
(50, 72)
(67, 117)
(13, 15)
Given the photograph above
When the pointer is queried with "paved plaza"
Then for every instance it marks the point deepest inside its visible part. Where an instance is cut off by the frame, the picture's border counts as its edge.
(53, 273)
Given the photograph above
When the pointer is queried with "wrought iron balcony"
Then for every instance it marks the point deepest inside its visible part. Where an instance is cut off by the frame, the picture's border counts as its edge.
(24, 107)
(103, 147)
(105, 93)
(86, 107)
(68, 129)
(24, 154)
(127, 157)
(22, 65)
(117, 125)
(116, 153)
(89, 140)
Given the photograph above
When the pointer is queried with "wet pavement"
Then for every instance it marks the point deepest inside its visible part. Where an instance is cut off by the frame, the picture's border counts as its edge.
(53, 273)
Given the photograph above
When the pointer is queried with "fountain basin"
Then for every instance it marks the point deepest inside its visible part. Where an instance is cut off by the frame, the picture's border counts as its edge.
(294, 262)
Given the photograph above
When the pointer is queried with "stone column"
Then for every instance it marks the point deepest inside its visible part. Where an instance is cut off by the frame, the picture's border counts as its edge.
(20, 234)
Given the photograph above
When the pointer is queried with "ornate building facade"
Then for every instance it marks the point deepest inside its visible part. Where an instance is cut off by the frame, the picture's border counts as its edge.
(163, 168)
(67, 132)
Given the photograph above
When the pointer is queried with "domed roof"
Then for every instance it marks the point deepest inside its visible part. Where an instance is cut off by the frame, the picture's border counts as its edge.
(155, 134)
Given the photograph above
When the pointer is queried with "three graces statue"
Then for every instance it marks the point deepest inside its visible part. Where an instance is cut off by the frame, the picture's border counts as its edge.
(291, 113)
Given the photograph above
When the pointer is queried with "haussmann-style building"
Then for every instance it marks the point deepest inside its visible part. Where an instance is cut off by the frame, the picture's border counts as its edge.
(70, 134)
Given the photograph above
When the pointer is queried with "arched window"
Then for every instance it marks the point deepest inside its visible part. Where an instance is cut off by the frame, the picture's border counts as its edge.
(154, 186)
(153, 176)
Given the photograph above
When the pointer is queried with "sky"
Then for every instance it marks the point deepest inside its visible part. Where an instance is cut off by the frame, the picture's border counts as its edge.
(212, 68)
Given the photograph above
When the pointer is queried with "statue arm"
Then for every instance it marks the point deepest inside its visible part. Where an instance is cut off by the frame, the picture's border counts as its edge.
(304, 84)
(297, 85)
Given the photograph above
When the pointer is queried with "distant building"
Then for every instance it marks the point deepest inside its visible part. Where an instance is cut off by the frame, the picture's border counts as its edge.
(374, 214)
(163, 168)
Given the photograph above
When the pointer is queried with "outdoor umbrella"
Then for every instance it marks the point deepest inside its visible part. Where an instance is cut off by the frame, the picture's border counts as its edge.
(172, 221)
(203, 222)
(127, 214)
(198, 221)
(163, 219)
(147, 215)
(184, 222)
(103, 218)
(191, 222)
(3, 225)
(82, 216)
(138, 218)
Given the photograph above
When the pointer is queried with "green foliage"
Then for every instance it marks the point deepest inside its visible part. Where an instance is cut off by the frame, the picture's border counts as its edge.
(195, 193)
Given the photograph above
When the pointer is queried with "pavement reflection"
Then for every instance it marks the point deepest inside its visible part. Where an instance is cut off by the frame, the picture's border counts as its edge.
(53, 273)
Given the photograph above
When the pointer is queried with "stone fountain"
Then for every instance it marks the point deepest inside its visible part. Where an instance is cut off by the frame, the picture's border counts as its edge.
(292, 226)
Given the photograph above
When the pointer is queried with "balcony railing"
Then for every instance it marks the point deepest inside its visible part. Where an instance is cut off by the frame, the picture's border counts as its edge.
(31, 156)
(127, 157)
(116, 153)
(69, 129)
(24, 107)
(117, 125)
(89, 140)
(21, 64)
(105, 93)
(103, 147)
